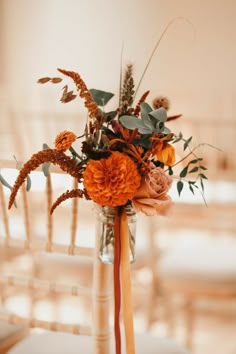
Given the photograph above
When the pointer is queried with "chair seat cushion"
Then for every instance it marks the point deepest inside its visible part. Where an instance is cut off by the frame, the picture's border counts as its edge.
(212, 262)
(61, 343)
(8, 330)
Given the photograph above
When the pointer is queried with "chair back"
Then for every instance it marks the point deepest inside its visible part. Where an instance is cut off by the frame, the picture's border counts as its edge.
(21, 229)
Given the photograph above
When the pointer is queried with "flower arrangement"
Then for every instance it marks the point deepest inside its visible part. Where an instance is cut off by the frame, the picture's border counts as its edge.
(127, 160)
(127, 155)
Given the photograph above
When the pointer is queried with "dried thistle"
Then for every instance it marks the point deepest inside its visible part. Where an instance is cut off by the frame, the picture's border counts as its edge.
(74, 193)
(161, 101)
(84, 93)
(57, 157)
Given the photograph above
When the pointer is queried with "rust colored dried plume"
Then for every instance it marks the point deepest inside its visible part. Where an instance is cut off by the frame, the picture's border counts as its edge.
(48, 155)
(83, 92)
(142, 99)
(74, 193)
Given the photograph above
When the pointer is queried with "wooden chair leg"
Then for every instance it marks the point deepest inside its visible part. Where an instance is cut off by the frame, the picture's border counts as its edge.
(169, 318)
(151, 304)
(189, 322)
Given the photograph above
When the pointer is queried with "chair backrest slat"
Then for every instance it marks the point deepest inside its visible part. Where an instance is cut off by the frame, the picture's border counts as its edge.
(51, 326)
(4, 214)
(42, 246)
(49, 216)
(99, 293)
(75, 204)
(47, 285)
(26, 215)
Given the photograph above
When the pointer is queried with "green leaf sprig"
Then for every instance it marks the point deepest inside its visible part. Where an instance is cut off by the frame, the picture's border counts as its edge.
(193, 166)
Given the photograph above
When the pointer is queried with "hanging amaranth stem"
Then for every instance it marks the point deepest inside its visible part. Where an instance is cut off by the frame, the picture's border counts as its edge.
(54, 156)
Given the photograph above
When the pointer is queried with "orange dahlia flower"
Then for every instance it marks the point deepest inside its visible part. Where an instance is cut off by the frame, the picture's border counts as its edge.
(112, 181)
(64, 140)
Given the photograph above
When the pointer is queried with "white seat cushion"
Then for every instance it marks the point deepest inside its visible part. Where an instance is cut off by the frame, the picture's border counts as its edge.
(7, 330)
(213, 261)
(60, 343)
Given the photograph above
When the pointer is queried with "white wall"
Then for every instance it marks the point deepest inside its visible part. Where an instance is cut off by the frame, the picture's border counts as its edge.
(194, 64)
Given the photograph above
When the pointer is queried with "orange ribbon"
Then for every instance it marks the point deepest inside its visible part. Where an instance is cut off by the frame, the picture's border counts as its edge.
(116, 277)
(122, 267)
(126, 285)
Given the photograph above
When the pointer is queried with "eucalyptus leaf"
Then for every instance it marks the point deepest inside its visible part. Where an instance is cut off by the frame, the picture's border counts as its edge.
(160, 127)
(166, 130)
(108, 131)
(110, 116)
(45, 168)
(147, 121)
(5, 183)
(101, 97)
(143, 141)
(46, 165)
(18, 163)
(131, 122)
(28, 183)
(159, 114)
(145, 107)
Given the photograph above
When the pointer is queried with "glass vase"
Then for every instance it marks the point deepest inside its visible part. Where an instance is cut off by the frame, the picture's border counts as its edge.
(107, 231)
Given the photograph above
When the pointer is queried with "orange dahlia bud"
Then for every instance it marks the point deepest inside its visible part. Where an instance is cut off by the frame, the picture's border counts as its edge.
(112, 181)
(64, 140)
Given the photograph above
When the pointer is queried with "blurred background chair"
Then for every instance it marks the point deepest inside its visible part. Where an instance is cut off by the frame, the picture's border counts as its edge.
(195, 273)
(192, 252)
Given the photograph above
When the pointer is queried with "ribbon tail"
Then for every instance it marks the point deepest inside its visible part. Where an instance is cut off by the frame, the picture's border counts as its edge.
(117, 288)
(126, 285)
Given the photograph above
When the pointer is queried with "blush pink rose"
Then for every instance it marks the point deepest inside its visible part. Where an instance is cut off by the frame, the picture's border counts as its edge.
(151, 198)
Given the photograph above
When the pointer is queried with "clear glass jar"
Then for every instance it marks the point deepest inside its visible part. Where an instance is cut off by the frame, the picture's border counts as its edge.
(107, 230)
